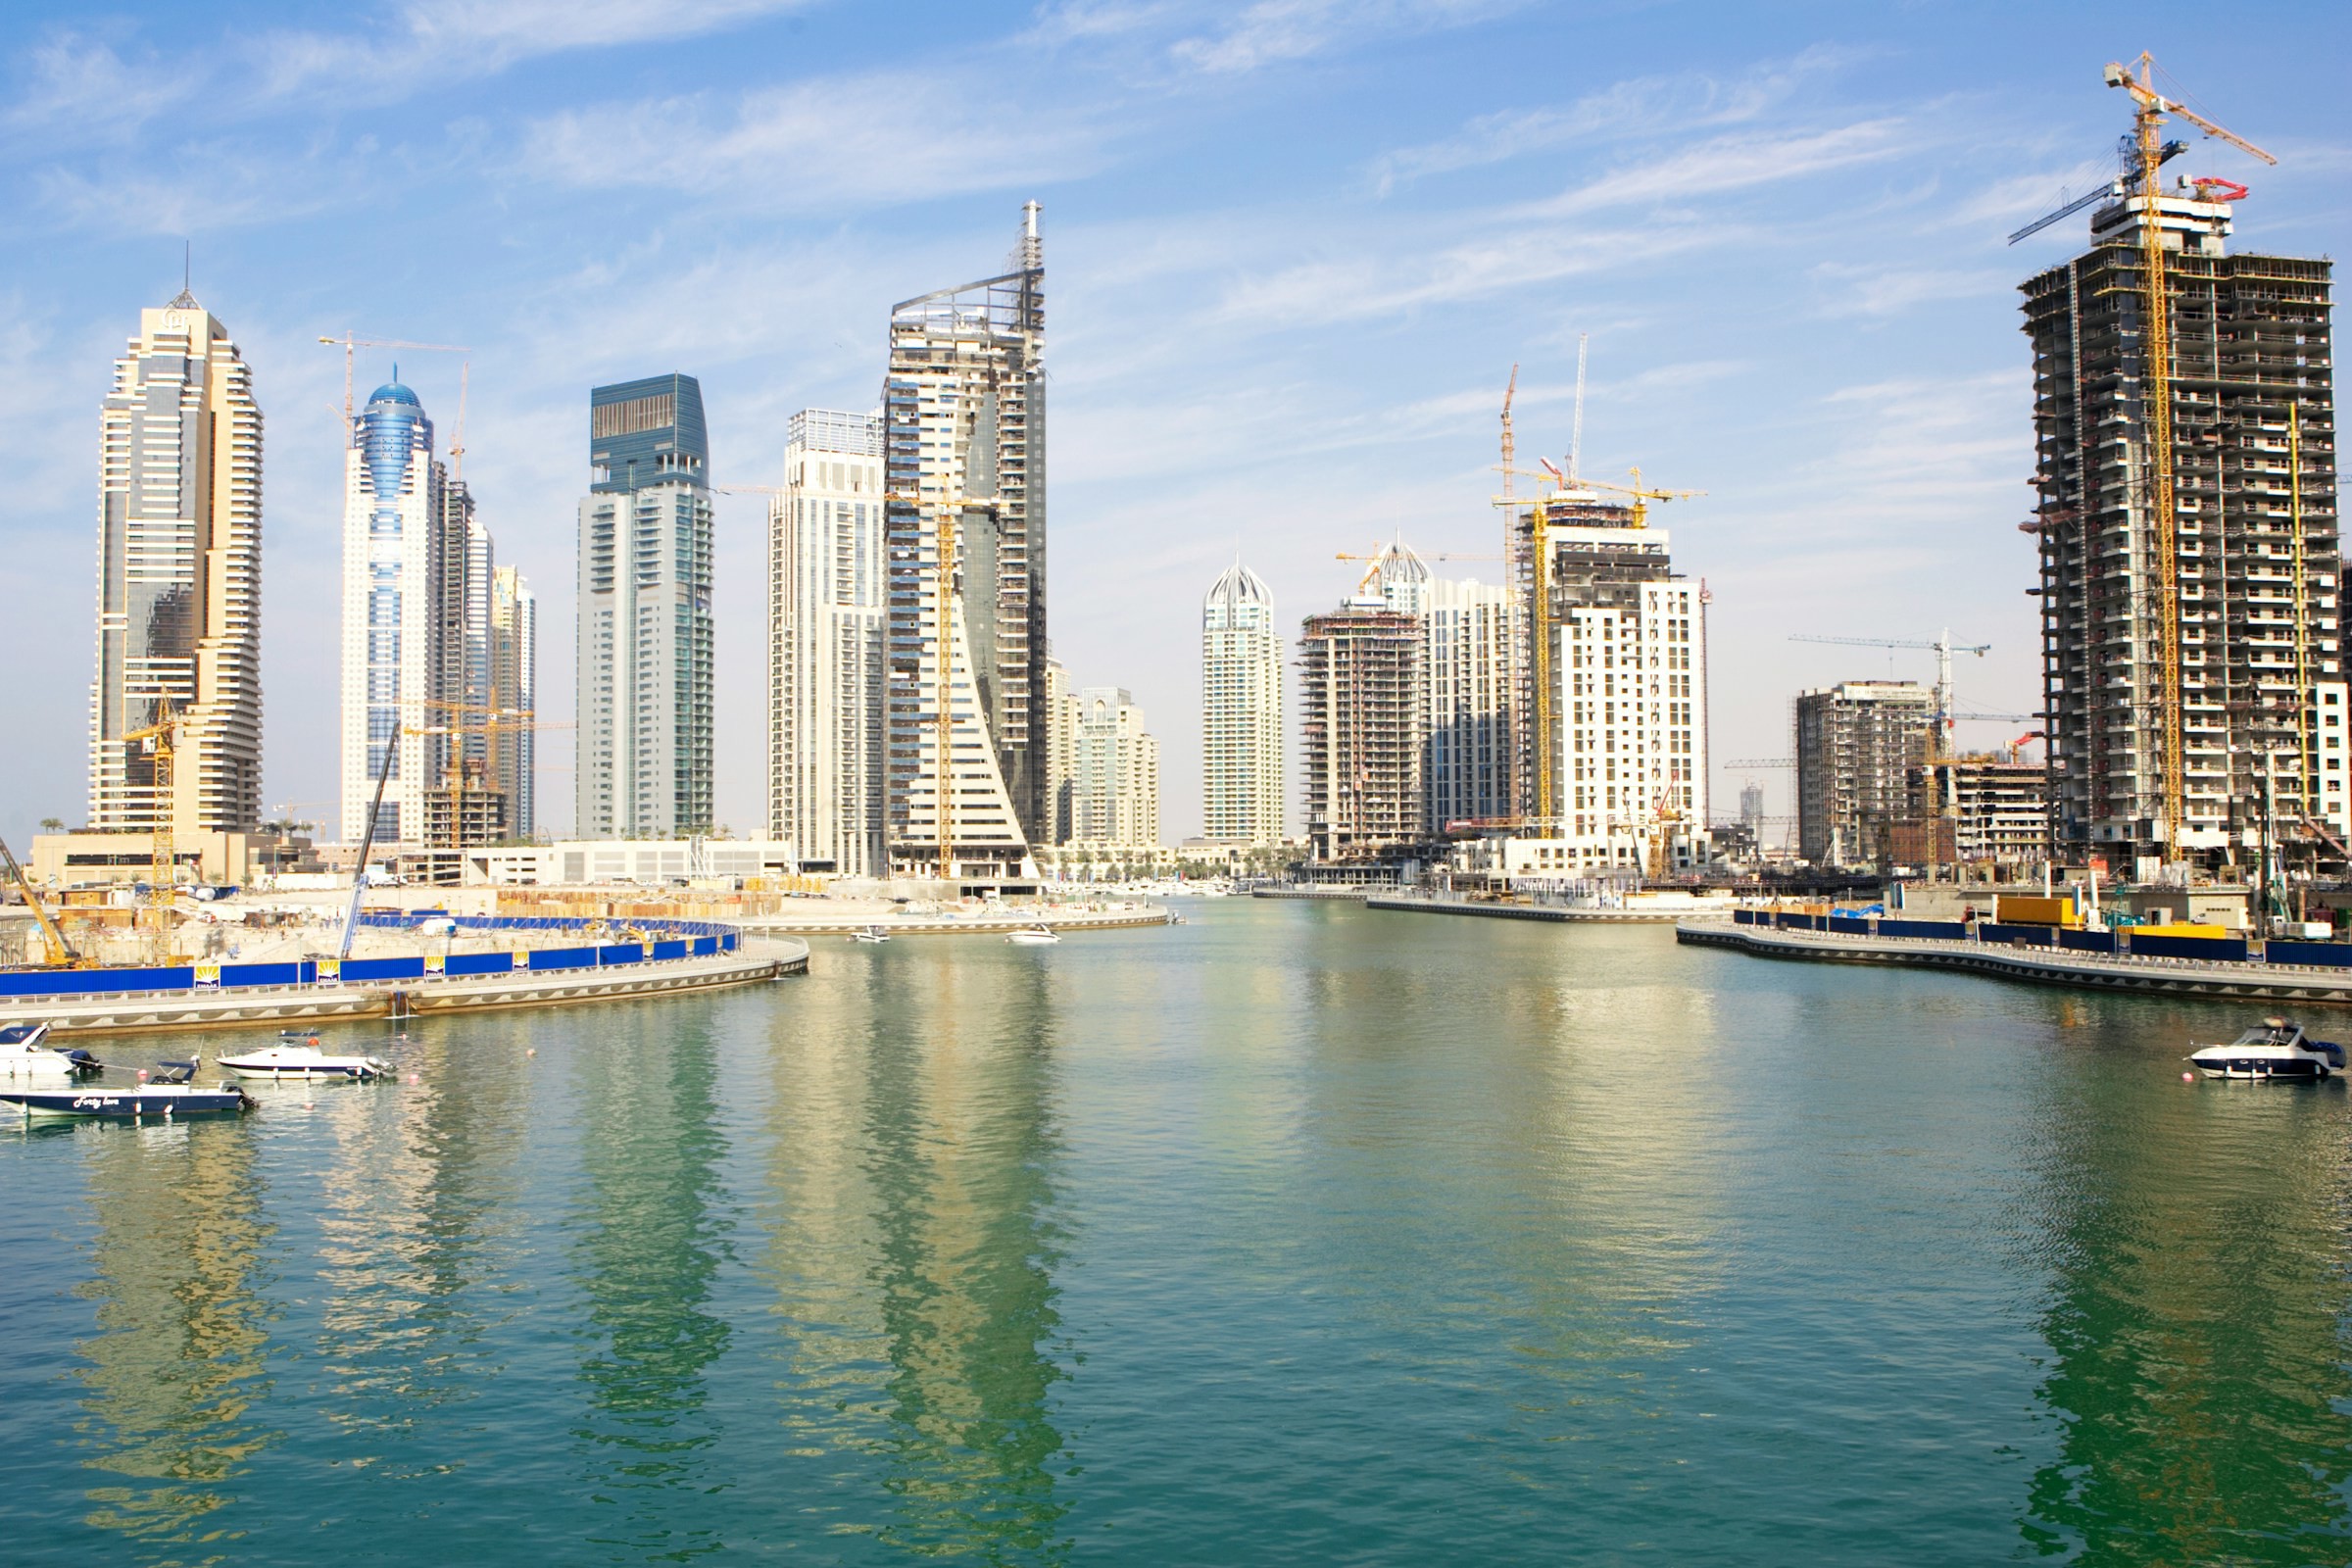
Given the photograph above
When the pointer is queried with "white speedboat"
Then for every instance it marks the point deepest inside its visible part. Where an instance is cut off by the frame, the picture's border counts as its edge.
(872, 933)
(1037, 936)
(2273, 1049)
(297, 1059)
(26, 1054)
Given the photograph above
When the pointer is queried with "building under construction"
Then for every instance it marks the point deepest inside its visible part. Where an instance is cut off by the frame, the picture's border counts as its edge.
(2186, 513)
(1984, 815)
(1857, 745)
(1362, 716)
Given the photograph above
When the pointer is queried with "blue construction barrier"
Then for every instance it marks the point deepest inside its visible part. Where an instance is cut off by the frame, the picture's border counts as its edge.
(2018, 936)
(1747, 916)
(2320, 955)
(32, 983)
(2088, 940)
(2220, 950)
(1948, 930)
(1853, 925)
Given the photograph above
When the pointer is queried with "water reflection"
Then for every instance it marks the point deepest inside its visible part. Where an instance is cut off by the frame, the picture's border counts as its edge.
(177, 1372)
(654, 1239)
(417, 1193)
(2197, 1327)
(961, 1143)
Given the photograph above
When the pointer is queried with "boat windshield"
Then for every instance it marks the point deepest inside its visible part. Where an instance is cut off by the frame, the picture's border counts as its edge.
(2269, 1037)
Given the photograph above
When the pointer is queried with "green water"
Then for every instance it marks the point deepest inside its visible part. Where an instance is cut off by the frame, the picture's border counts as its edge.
(1295, 1233)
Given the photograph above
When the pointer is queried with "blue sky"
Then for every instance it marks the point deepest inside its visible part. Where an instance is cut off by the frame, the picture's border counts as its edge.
(1293, 250)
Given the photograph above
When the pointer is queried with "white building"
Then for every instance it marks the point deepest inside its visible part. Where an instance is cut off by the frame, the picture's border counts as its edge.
(964, 411)
(640, 863)
(1062, 754)
(1628, 684)
(645, 651)
(514, 694)
(1115, 792)
(1240, 712)
(180, 577)
(827, 622)
(392, 616)
(1469, 647)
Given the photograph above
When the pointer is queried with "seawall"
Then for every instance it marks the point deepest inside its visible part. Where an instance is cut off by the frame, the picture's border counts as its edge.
(2044, 966)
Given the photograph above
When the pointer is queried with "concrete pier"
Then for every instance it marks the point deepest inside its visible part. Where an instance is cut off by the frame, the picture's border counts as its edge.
(258, 1006)
(2046, 966)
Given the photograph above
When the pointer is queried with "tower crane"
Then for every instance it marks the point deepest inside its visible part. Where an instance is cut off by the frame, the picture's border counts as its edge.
(1944, 648)
(348, 342)
(2149, 107)
(493, 721)
(163, 874)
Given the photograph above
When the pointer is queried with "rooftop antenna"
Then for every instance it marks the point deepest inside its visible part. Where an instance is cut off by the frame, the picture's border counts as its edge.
(457, 448)
(1576, 434)
(188, 266)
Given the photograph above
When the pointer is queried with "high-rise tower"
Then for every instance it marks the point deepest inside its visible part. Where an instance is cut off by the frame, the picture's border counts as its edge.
(2169, 704)
(514, 695)
(179, 577)
(1240, 712)
(645, 635)
(828, 614)
(965, 439)
(393, 531)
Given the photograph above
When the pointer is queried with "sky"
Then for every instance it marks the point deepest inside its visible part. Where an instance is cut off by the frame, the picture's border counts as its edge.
(1293, 251)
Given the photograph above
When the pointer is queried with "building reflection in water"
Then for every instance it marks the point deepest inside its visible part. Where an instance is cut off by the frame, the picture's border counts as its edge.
(915, 1242)
(2194, 1240)
(177, 1372)
(649, 1240)
(420, 1189)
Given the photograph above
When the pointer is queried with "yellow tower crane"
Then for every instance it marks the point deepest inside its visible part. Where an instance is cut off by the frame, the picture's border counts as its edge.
(53, 940)
(163, 875)
(2149, 107)
(348, 342)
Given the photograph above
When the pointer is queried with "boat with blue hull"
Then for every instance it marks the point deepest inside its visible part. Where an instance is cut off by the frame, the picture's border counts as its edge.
(2276, 1050)
(170, 1093)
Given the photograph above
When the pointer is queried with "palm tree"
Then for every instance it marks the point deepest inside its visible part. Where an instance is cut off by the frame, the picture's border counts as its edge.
(52, 824)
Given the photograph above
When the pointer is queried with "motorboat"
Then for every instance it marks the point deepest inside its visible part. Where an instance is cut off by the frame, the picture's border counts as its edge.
(297, 1059)
(169, 1091)
(872, 933)
(2273, 1049)
(26, 1053)
(1036, 936)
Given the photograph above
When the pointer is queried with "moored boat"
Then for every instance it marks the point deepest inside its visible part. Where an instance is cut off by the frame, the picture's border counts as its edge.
(2275, 1049)
(170, 1092)
(1036, 936)
(26, 1053)
(297, 1059)
(872, 933)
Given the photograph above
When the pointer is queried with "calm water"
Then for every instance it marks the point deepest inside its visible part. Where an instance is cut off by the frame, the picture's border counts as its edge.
(1294, 1234)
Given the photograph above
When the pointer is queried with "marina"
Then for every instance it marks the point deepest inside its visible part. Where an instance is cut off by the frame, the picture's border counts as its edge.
(1403, 1242)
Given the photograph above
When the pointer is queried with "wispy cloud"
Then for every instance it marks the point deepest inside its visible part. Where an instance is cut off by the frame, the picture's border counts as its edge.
(78, 87)
(1731, 162)
(1272, 31)
(1884, 291)
(825, 145)
(1641, 106)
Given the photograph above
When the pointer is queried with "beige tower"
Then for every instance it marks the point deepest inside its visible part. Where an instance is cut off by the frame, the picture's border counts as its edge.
(180, 577)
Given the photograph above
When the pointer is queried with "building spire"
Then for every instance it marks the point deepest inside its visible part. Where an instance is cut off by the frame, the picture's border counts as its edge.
(186, 300)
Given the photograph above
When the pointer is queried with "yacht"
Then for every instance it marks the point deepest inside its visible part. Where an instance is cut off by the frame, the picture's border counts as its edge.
(26, 1053)
(2273, 1049)
(297, 1059)
(1036, 936)
(171, 1090)
(872, 933)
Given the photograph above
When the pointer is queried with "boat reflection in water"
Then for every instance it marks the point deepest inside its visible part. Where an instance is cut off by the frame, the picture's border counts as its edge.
(2198, 1373)
(178, 1359)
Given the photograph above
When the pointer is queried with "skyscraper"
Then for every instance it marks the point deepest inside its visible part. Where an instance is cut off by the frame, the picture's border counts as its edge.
(467, 564)
(964, 433)
(180, 577)
(1240, 712)
(1360, 715)
(1619, 659)
(1470, 635)
(1062, 754)
(1858, 744)
(2191, 633)
(644, 636)
(394, 528)
(515, 695)
(827, 621)
(1115, 790)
